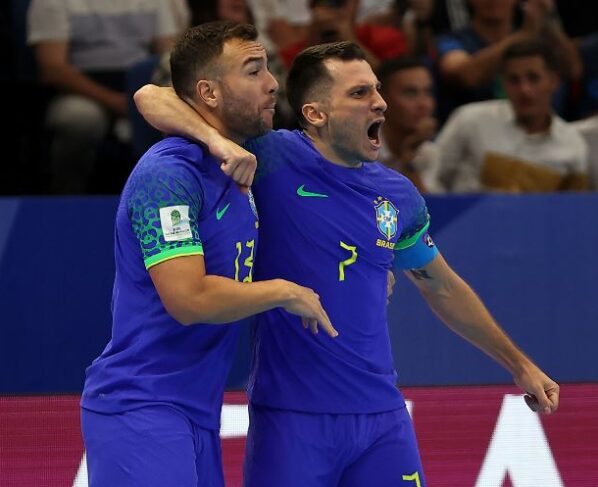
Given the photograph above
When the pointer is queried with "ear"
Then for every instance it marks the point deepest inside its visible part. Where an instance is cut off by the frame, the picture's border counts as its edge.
(314, 115)
(207, 92)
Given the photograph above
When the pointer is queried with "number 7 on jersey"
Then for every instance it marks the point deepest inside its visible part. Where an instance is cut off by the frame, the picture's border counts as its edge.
(344, 263)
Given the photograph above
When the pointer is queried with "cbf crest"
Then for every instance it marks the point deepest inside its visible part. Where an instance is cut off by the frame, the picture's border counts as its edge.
(386, 217)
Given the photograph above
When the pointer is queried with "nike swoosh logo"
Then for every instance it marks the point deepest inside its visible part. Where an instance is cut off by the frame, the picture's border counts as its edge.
(309, 194)
(220, 213)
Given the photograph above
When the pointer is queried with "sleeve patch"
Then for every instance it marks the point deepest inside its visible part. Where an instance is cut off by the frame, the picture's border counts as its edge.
(175, 223)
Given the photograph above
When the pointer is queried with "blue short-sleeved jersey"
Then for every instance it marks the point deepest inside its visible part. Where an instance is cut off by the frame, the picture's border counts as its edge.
(335, 230)
(176, 202)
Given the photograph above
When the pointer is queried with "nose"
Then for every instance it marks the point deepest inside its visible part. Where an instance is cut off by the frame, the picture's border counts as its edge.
(379, 105)
(272, 84)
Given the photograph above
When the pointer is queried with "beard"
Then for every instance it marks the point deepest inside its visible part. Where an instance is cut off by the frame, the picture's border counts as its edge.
(241, 116)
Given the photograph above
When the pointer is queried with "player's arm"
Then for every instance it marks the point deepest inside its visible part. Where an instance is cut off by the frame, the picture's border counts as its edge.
(165, 111)
(56, 70)
(457, 305)
(191, 296)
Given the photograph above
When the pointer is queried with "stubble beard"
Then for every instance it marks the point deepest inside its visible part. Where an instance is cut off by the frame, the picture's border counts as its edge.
(241, 116)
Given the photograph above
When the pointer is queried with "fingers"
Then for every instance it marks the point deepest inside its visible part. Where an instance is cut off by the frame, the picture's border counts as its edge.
(544, 401)
(553, 394)
(243, 173)
(325, 323)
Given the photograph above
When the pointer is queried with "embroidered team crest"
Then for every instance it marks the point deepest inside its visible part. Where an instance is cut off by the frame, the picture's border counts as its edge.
(386, 217)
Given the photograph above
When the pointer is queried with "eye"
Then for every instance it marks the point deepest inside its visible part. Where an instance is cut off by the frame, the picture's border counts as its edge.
(358, 93)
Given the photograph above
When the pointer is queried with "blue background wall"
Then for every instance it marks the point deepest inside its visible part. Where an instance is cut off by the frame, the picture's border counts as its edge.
(531, 258)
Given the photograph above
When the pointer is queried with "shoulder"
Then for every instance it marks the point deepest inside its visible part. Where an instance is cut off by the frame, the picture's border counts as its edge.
(283, 142)
(174, 160)
(488, 109)
(400, 188)
(567, 131)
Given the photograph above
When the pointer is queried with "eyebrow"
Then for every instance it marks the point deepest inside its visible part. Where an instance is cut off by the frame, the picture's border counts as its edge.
(367, 86)
(253, 59)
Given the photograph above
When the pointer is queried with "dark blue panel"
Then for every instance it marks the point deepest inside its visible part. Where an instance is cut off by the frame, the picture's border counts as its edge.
(533, 261)
(531, 258)
(56, 271)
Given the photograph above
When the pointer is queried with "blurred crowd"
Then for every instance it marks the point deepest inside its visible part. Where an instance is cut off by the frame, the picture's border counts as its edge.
(483, 95)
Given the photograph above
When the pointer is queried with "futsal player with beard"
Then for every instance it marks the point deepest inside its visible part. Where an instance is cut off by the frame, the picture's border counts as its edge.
(184, 247)
(324, 412)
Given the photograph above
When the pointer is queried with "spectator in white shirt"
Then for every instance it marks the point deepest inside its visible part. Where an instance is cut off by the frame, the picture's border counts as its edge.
(519, 141)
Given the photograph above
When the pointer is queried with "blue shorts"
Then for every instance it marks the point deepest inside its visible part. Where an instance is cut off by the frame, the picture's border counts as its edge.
(294, 449)
(150, 446)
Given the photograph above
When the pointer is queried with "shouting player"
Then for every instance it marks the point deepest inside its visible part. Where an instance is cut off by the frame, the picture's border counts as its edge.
(324, 412)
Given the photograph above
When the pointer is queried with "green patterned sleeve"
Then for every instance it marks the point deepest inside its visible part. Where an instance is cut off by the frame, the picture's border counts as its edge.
(163, 207)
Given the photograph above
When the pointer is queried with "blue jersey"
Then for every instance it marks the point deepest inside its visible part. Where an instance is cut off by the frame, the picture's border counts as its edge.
(177, 202)
(335, 230)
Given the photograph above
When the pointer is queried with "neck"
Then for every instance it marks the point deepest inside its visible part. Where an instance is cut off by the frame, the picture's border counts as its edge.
(325, 148)
(535, 125)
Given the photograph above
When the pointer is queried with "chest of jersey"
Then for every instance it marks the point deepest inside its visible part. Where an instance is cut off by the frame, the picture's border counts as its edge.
(333, 222)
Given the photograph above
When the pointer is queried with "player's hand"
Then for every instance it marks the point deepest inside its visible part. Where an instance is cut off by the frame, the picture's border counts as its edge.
(236, 162)
(304, 302)
(542, 393)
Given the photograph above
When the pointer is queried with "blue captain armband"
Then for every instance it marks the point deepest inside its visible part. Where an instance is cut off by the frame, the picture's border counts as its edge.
(415, 251)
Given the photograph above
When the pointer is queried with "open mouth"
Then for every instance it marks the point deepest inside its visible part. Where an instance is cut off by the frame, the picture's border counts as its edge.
(374, 133)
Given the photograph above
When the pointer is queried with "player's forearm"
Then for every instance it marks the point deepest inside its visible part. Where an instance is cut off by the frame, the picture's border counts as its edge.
(221, 300)
(165, 111)
(457, 305)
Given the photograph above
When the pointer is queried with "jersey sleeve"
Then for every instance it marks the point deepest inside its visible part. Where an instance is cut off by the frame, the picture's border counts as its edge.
(163, 208)
(415, 248)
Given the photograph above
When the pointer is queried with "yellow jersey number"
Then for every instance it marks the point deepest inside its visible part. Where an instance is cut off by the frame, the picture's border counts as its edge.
(347, 262)
(244, 265)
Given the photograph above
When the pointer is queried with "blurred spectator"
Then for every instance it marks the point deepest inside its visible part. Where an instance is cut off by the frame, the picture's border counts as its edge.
(210, 10)
(83, 49)
(469, 59)
(516, 144)
(285, 21)
(181, 12)
(588, 128)
(407, 87)
(202, 11)
(335, 20)
(423, 20)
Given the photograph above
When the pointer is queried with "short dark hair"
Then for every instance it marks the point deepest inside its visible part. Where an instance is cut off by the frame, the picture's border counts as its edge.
(528, 48)
(308, 73)
(196, 49)
(395, 65)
